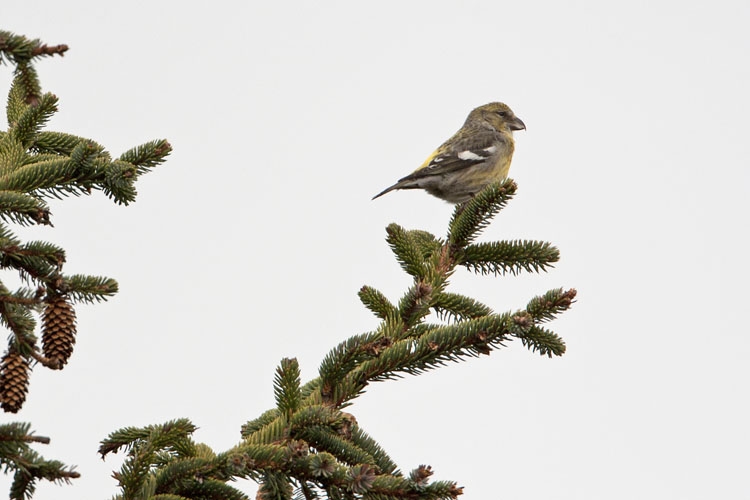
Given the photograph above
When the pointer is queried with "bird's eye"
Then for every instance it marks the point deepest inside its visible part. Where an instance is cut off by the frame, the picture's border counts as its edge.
(502, 113)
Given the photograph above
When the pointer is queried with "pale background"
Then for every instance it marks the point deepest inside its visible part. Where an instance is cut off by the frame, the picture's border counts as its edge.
(251, 242)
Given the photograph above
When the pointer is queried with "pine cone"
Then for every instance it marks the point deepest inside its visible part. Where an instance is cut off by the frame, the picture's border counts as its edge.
(58, 332)
(14, 381)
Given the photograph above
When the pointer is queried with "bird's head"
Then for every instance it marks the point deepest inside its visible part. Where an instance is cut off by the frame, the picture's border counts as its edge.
(497, 115)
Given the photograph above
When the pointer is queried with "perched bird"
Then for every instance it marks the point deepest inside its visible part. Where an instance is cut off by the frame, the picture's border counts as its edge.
(477, 155)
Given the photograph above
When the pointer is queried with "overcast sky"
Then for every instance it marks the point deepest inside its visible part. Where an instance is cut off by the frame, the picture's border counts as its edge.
(251, 242)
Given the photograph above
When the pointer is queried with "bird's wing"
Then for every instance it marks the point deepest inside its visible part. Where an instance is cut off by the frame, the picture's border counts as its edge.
(461, 154)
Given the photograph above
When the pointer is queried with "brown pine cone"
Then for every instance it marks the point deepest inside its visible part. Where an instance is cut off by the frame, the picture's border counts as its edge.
(58, 332)
(14, 381)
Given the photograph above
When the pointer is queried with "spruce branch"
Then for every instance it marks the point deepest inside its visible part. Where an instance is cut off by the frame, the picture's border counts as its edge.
(376, 302)
(23, 209)
(453, 306)
(147, 156)
(16, 455)
(32, 119)
(345, 357)
(157, 436)
(18, 48)
(255, 425)
(407, 250)
(318, 416)
(274, 431)
(287, 387)
(56, 144)
(36, 164)
(434, 348)
(211, 489)
(541, 340)
(35, 468)
(340, 447)
(545, 307)
(470, 218)
(274, 486)
(364, 442)
(28, 81)
(276, 467)
(501, 257)
(18, 319)
(415, 304)
(426, 242)
(19, 433)
(179, 475)
(87, 289)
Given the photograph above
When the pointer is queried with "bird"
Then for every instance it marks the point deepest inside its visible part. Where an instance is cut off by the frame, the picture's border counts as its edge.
(474, 157)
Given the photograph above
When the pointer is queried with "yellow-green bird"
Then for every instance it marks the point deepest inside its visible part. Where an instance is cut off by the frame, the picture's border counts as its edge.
(477, 155)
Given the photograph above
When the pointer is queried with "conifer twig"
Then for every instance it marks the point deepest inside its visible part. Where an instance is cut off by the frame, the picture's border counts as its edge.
(46, 50)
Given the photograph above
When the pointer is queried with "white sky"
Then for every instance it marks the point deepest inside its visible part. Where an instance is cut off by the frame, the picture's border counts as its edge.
(251, 242)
